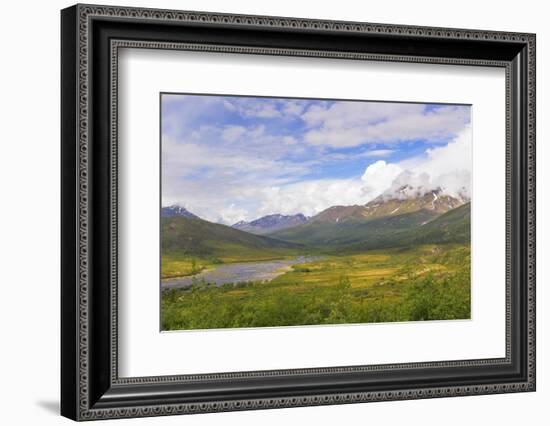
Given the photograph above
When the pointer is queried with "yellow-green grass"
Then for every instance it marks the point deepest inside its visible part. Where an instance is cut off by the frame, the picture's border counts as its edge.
(176, 265)
(182, 266)
(422, 283)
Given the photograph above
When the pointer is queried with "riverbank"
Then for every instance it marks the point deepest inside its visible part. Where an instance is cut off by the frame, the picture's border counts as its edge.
(421, 283)
(238, 272)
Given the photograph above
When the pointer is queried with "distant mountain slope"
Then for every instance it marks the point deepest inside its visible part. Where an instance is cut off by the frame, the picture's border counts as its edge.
(197, 237)
(177, 211)
(340, 214)
(321, 233)
(387, 205)
(420, 227)
(270, 223)
(450, 227)
(384, 222)
(390, 205)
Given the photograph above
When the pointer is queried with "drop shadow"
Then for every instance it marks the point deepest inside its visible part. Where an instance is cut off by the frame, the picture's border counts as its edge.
(50, 406)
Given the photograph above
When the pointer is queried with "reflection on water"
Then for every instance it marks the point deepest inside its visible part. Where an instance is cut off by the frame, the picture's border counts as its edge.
(238, 272)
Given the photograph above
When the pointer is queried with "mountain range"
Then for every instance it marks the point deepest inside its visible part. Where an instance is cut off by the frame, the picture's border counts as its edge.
(177, 211)
(387, 221)
(194, 236)
(390, 205)
(271, 223)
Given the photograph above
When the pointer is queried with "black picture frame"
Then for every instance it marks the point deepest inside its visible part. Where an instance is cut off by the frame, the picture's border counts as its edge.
(90, 386)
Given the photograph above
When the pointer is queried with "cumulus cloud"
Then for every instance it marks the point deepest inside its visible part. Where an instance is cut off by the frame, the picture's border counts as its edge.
(262, 191)
(379, 176)
(377, 153)
(451, 165)
(229, 106)
(228, 159)
(266, 108)
(293, 108)
(230, 214)
(347, 124)
(232, 133)
(253, 107)
(311, 197)
(447, 168)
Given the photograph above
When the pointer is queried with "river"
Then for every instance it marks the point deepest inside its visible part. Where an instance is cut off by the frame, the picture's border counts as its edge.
(238, 272)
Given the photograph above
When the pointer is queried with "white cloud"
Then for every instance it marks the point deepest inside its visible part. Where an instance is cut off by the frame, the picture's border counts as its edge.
(379, 176)
(350, 124)
(182, 159)
(351, 156)
(377, 153)
(267, 111)
(311, 197)
(293, 108)
(232, 133)
(231, 214)
(229, 106)
(232, 193)
(227, 172)
(266, 108)
(448, 167)
(289, 140)
(218, 182)
(256, 108)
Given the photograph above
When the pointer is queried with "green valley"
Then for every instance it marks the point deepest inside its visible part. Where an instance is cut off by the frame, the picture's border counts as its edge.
(190, 245)
(279, 211)
(430, 282)
(379, 268)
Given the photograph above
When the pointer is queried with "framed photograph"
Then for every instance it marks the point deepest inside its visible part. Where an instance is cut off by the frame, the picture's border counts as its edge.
(263, 212)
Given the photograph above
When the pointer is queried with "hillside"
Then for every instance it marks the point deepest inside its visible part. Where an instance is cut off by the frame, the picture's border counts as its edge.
(197, 237)
(177, 211)
(353, 231)
(379, 224)
(271, 223)
(387, 205)
(400, 203)
(450, 227)
(420, 227)
(340, 214)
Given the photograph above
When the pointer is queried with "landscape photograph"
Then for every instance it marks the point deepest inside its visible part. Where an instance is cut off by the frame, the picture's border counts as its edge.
(301, 212)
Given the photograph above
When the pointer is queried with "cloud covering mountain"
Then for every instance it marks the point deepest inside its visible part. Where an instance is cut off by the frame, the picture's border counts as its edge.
(239, 158)
(448, 167)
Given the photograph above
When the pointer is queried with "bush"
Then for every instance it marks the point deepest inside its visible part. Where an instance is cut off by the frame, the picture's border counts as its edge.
(419, 297)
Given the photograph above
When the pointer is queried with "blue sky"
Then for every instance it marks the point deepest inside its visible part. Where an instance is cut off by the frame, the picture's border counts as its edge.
(229, 158)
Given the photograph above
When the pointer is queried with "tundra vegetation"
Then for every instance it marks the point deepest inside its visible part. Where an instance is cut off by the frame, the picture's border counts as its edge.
(428, 282)
(413, 268)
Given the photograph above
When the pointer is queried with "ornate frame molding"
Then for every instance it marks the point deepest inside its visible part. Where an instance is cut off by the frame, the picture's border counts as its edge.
(81, 16)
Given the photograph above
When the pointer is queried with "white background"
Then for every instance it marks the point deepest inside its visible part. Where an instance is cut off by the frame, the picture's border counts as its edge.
(140, 343)
(29, 225)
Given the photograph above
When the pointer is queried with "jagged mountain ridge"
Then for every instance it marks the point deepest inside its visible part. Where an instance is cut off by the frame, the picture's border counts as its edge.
(388, 205)
(271, 223)
(177, 211)
(391, 205)
(198, 237)
(453, 226)
(419, 227)
(389, 219)
(401, 218)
